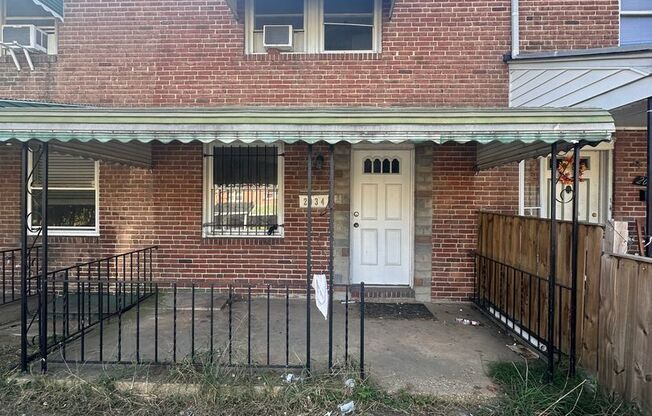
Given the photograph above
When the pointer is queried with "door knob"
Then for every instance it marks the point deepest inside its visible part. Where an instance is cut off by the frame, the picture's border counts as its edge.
(356, 225)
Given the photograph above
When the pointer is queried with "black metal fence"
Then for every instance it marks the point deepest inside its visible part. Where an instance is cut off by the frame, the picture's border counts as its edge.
(518, 301)
(84, 296)
(11, 273)
(156, 322)
(112, 311)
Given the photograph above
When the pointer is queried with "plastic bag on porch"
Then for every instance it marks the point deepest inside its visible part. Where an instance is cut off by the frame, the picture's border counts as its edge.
(321, 293)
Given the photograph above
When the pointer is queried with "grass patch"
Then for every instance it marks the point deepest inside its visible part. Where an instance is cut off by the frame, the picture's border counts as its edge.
(526, 391)
(214, 391)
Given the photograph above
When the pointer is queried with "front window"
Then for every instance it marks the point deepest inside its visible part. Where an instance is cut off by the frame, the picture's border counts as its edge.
(28, 24)
(635, 22)
(318, 26)
(243, 191)
(72, 195)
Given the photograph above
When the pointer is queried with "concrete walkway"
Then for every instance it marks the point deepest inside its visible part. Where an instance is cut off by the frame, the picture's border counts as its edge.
(436, 356)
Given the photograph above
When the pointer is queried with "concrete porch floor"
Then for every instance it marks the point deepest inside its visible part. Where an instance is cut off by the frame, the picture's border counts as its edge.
(438, 356)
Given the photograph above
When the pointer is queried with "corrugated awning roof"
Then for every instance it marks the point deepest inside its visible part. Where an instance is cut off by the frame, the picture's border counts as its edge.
(6, 103)
(352, 125)
(54, 7)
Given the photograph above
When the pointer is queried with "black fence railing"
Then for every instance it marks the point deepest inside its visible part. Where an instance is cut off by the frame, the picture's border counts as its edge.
(11, 273)
(165, 322)
(518, 301)
(83, 296)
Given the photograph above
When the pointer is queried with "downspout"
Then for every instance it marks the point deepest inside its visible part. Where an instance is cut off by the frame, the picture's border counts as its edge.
(515, 30)
(648, 194)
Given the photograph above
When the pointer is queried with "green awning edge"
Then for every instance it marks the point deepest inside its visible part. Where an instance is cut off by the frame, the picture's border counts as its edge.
(288, 125)
(54, 7)
(356, 116)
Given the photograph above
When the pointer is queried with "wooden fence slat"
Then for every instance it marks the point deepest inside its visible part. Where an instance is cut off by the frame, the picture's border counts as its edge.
(640, 320)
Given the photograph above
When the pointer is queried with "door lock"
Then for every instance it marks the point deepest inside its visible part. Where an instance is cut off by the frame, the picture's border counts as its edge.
(356, 225)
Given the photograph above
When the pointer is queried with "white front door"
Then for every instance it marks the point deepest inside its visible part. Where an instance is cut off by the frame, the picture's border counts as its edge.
(381, 216)
(593, 198)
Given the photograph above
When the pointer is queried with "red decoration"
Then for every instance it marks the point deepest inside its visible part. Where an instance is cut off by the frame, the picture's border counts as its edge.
(565, 169)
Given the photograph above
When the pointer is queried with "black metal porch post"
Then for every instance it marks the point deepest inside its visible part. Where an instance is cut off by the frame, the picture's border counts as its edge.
(23, 257)
(43, 318)
(552, 275)
(648, 217)
(574, 258)
(331, 266)
(308, 255)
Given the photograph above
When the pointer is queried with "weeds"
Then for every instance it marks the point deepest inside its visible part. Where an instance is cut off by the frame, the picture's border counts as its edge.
(188, 389)
(527, 391)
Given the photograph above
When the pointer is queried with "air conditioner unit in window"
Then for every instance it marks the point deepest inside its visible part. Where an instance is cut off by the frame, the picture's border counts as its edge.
(278, 37)
(27, 37)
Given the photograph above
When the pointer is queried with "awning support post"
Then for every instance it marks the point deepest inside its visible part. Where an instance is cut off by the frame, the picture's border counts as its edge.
(24, 258)
(331, 254)
(552, 273)
(574, 259)
(648, 217)
(308, 255)
(43, 318)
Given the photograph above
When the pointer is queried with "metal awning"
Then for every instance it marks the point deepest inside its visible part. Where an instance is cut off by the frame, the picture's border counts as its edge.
(54, 7)
(609, 78)
(532, 127)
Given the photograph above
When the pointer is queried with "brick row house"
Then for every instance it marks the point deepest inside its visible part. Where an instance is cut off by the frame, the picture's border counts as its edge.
(208, 127)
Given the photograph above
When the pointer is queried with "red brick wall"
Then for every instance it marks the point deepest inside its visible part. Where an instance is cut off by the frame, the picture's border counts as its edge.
(126, 196)
(163, 207)
(9, 196)
(190, 53)
(629, 162)
(178, 209)
(568, 24)
(458, 194)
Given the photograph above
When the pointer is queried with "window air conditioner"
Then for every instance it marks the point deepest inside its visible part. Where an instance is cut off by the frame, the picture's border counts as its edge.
(27, 37)
(278, 37)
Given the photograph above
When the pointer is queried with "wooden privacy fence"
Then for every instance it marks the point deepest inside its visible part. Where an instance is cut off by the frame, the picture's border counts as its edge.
(625, 328)
(512, 269)
(614, 298)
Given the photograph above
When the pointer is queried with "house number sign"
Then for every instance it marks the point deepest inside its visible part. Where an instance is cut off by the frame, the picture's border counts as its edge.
(318, 201)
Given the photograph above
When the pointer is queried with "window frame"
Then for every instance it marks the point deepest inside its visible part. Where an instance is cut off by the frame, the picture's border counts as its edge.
(630, 13)
(53, 38)
(62, 230)
(207, 184)
(313, 30)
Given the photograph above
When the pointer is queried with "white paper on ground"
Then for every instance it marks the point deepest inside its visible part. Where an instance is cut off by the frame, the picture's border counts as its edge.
(321, 293)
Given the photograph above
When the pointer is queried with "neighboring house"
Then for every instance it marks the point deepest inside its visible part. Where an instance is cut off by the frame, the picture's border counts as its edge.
(407, 94)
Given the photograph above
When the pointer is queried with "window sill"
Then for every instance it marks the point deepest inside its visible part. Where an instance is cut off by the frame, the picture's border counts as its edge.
(58, 233)
(322, 56)
(241, 239)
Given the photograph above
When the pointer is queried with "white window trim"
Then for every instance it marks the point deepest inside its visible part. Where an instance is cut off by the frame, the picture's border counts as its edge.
(69, 231)
(313, 29)
(208, 183)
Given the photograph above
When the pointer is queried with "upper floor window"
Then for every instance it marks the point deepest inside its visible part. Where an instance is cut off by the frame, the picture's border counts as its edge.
(28, 24)
(635, 22)
(313, 26)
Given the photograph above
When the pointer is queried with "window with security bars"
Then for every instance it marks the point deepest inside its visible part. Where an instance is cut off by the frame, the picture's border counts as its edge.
(245, 191)
(72, 194)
